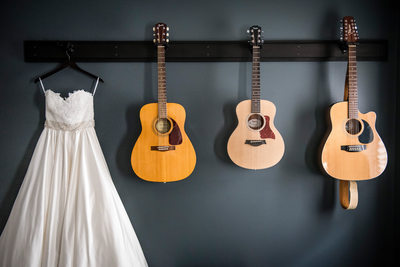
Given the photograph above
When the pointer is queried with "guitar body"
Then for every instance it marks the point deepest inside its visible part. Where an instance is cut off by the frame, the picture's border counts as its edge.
(255, 149)
(339, 163)
(159, 165)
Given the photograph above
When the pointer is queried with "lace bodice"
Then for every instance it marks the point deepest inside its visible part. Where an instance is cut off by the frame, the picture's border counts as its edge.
(71, 113)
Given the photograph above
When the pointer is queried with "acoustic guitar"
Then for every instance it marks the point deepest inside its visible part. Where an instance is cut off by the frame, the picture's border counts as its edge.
(353, 149)
(255, 143)
(163, 152)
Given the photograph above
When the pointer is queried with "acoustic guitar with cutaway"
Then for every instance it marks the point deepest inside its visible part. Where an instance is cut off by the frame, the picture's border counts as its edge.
(163, 151)
(255, 143)
(353, 150)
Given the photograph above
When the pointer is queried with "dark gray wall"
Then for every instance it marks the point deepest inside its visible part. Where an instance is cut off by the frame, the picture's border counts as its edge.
(221, 215)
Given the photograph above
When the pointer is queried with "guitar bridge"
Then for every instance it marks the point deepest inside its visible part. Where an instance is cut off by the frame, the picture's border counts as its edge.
(255, 142)
(354, 148)
(162, 148)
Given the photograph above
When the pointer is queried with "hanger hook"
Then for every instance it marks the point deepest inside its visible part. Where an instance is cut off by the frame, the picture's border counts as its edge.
(69, 57)
(70, 49)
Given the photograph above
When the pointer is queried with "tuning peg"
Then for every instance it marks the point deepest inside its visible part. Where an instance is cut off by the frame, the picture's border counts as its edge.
(248, 31)
(167, 41)
(154, 40)
(262, 41)
(154, 28)
(167, 34)
(341, 38)
(167, 28)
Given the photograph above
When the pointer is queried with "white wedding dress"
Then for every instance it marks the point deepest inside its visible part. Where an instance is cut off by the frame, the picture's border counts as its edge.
(68, 212)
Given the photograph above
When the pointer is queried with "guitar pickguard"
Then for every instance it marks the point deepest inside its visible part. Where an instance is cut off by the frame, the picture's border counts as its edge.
(367, 136)
(266, 132)
(175, 136)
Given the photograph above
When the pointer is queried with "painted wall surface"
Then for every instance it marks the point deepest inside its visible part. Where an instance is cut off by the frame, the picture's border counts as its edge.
(222, 215)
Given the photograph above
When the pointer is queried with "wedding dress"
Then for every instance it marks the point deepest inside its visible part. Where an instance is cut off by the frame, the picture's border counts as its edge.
(68, 212)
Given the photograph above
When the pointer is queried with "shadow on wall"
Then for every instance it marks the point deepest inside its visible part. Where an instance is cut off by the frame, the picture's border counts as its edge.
(235, 259)
(229, 107)
(8, 202)
(132, 114)
(230, 118)
(323, 101)
(386, 182)
(133, 124)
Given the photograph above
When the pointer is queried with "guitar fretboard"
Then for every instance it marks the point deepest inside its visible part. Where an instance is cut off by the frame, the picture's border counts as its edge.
(255, 81)
(353, 92)
(162, 90)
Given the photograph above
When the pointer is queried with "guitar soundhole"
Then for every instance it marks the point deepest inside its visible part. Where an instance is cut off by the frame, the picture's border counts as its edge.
(163, 125)
(255, 121)
(353, 126)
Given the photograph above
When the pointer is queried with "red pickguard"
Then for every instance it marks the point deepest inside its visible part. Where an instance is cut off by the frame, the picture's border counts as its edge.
(266, 132)
(175, 136)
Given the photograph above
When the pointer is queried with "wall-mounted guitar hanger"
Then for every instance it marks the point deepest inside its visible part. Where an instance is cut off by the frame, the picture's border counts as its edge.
(200, 51)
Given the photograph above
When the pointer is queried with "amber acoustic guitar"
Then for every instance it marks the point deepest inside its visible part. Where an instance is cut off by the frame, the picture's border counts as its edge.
(255, 143)
(163, 152)
(353, 150)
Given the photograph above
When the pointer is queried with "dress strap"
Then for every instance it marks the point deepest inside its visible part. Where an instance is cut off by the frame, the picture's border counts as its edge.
(95, 86)
(41, 85)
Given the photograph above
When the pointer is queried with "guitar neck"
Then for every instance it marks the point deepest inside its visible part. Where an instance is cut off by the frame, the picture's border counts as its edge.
(255, 81)
(162, 89)
(352, 79)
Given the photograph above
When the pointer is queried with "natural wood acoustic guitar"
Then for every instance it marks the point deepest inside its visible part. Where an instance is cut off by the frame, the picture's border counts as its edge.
(163, 152)
(255, 143)
(353, 150)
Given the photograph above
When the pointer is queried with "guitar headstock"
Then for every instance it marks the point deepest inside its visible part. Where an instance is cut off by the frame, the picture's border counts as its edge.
(255, 36)
(161, 34)
(349, 31)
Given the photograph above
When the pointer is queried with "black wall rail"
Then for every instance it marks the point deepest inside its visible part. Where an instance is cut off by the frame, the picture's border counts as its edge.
(199, 51)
